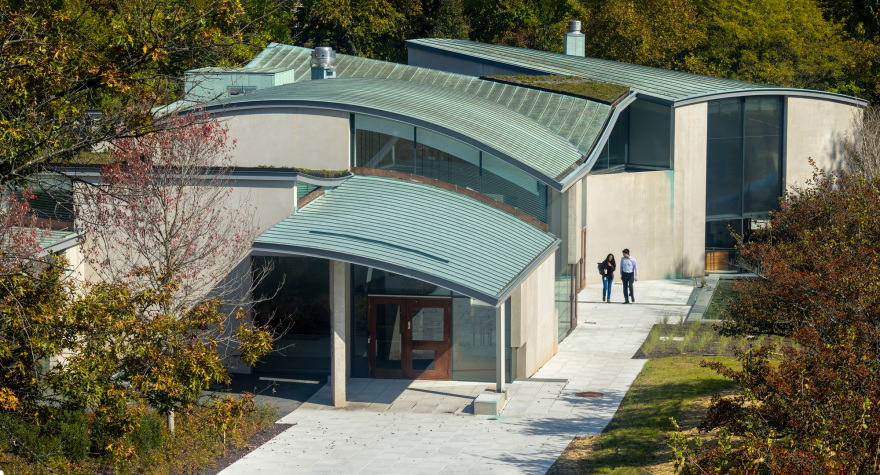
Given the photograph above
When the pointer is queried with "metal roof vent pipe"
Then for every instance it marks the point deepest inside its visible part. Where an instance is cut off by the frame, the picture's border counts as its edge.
(575, 41)
(322, 63)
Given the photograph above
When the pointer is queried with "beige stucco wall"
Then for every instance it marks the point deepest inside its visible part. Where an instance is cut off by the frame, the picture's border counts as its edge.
(533, 322)
(290, 137)
(273, 200)
(635, 211)
(815, 129)
(689, 197)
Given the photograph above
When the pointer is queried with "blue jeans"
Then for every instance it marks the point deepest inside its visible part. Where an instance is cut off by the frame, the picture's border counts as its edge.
(606, 288)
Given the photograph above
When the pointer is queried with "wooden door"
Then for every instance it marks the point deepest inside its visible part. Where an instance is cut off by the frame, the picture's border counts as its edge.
(410, 338)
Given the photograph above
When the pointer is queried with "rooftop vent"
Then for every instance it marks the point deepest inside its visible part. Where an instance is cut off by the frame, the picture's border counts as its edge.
(574, 40)
(323, 58)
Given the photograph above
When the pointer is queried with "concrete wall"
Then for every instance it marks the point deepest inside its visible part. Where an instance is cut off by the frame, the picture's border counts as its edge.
(815, 129)
(448, 63)
(290, 137)
(274, 200)
(635, 211)
(533, 322)
(689, 163)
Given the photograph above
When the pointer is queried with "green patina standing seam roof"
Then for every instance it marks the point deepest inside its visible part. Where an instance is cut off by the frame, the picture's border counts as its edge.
(577, 120)
(57, 240)
(419, 230)
(499, 130)
(661, 83)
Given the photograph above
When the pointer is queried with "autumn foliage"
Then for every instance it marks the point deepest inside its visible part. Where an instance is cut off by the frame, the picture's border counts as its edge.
(814, 406)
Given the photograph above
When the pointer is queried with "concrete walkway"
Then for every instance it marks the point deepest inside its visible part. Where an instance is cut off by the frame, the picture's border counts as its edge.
(413, 427)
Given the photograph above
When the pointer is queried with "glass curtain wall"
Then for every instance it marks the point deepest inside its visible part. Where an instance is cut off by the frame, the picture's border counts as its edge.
(473, 323)
(641, 140)
(391, 145)
(743, 166)
(558, 225)
(294, 301)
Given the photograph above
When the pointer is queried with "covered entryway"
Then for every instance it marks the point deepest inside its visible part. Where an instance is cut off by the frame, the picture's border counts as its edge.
(432, 235)
(410, 338)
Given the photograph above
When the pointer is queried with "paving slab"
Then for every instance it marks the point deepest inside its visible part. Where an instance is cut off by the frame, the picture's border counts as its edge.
(411, 427)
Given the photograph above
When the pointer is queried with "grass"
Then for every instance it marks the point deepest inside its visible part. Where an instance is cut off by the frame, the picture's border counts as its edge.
(720, 300)
(695, 339)
(603, 92)
(193, 449)
(635, 439)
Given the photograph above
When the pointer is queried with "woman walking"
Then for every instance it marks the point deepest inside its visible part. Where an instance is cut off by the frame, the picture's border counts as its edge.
(607, 270)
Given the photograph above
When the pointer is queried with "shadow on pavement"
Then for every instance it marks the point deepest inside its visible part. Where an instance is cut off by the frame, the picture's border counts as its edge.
(284, 392)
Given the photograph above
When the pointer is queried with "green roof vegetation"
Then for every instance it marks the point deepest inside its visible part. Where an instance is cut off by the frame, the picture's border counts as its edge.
(570, 85)
(311, 172)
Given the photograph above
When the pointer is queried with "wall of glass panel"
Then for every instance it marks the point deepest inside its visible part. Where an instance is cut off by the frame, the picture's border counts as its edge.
(391, 145)
(743, 162)
(473, 323)
(640, 140)
(557, 211)
(296, 305)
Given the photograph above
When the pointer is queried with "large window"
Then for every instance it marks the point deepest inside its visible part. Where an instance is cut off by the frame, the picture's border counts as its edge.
(391, 145)
(744, 157)
(743, 171)
(640, 140)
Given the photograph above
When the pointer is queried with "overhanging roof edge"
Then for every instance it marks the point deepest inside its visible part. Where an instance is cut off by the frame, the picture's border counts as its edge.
(284, 249)
(579, 172)
(527, 271)
(773, 91)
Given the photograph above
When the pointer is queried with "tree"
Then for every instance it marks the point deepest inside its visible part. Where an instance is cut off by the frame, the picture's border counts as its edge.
(813, 406)
(658, 33)
(78, 73)
(863, 146)
(523, 23)
(163, 223)
(369, 28)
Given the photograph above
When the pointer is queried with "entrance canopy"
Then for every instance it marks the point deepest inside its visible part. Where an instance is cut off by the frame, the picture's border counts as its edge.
(418, 230)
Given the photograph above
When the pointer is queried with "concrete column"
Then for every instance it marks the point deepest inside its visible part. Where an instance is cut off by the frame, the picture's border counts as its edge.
(295, 196)
(339, 323)
(499, 353)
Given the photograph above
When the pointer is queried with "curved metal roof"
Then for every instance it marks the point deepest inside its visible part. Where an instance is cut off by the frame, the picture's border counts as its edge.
(416, 230)
(487, 125)
(668, 85)
(578, 120)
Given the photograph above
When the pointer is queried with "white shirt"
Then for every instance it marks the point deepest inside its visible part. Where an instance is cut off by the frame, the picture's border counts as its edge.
(628, 264)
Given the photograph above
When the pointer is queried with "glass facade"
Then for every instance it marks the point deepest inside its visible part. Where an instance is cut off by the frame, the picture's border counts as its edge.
(640, 140)
(391, 145)
(743, 167)
(294, 301)
(473, 323)
(564, 298)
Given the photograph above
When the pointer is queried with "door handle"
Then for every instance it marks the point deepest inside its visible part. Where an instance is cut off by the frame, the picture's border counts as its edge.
(409, 325)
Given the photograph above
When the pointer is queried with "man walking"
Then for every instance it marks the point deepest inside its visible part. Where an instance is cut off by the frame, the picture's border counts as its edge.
(629, 272)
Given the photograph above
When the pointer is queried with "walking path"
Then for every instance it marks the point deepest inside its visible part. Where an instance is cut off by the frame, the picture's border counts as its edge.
(414, 427)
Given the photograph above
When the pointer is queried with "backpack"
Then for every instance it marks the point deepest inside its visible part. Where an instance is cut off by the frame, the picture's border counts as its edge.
(601, 270)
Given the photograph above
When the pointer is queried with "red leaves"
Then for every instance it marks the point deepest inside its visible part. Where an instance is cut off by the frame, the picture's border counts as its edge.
(814, 407)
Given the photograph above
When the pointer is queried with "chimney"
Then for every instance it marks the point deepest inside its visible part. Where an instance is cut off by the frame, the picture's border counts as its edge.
(574, 40)
(322, 63)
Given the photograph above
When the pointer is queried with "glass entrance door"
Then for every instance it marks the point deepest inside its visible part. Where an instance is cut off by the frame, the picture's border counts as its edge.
(410, 338)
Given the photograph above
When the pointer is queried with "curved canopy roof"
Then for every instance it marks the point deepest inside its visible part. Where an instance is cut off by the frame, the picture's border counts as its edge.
(673, 86)
(417, 230)
(487, 125)
(575, 119)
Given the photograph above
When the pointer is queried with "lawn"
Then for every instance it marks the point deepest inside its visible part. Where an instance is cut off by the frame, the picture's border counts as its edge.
(635, 439)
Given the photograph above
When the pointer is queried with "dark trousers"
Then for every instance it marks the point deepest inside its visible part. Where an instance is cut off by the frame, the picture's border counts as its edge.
(627, 278)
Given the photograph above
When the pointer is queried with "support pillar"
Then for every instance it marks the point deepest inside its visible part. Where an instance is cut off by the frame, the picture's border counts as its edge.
(295, 197)
(500, 385)
(339, 324)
